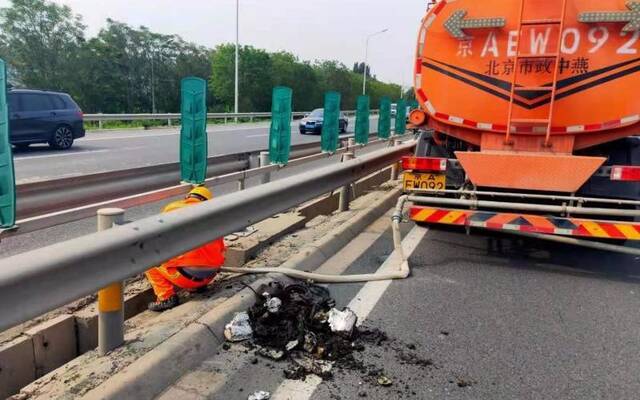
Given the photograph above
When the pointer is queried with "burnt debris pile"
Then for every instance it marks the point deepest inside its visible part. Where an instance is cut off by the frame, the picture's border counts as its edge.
(299, 323)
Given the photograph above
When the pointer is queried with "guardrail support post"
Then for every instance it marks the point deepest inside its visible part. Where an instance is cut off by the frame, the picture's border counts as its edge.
(395, 168)
(111, 298)
(345, 191)
(169, 122)
(99, 124)
(241, 184)
(264, 161)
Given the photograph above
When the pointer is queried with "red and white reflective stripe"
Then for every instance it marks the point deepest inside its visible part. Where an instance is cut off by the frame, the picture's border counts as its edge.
(625, 173)
(424, 164)
(526, 128)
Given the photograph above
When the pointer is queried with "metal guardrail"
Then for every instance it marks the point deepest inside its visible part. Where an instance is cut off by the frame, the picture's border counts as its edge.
(55, 202)
(169, 117)
(49, 277)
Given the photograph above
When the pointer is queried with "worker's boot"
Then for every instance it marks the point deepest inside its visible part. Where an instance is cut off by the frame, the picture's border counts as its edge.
(201, 289)
(159, 306)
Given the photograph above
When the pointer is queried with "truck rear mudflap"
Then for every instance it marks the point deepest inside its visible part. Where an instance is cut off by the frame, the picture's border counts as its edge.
(528, 223)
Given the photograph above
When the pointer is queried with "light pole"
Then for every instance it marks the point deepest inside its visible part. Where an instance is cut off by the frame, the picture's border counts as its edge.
(366, 60)
(153, 79)
(153, 84)
(237, 90)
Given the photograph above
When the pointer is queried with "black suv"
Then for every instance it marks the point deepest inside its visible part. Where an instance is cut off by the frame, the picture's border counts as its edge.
(37, 116)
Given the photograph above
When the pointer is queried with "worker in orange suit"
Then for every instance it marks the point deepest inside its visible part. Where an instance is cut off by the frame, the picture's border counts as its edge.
(192, 271)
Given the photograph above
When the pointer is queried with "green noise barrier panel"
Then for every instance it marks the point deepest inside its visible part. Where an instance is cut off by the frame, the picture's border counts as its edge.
(330, 125)
(280, 133)
(7, 177)
(362, 120)
(401, 117)
(193, 135)
(384, 121)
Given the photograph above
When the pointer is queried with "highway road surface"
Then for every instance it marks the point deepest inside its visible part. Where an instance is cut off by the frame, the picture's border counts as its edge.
(19, 244)
(481, 317)
(124, 149)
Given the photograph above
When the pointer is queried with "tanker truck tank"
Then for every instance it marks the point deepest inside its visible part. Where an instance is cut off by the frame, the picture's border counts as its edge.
(528, 114)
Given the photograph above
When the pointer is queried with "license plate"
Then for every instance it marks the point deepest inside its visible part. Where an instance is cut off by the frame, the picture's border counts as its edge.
(424, 181)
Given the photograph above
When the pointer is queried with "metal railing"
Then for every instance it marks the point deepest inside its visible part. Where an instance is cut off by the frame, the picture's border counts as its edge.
(55, 202)
(170, 117)
(50, 277)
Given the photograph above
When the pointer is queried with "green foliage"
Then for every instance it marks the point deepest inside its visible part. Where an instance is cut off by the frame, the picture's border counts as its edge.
(120, 69)
(255, 78)
(42, 41)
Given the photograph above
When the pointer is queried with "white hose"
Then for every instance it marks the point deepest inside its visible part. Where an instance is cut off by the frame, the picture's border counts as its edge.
(402, 273)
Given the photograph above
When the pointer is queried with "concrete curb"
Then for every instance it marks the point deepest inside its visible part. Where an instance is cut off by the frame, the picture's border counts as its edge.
(152, 373)
(315, 254)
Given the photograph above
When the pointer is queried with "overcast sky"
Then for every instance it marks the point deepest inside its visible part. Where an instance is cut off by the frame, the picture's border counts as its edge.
(311, 29)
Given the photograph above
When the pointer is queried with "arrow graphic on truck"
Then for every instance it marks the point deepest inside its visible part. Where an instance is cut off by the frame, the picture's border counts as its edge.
(456, 23)
(632, 17)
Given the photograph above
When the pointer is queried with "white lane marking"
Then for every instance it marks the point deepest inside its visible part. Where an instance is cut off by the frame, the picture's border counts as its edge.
(61, 154)
(141, 136)
(157, 135)
(212, 129)
(362, 304)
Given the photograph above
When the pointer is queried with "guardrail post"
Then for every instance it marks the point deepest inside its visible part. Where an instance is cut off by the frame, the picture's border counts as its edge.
(264, 161)
(395, 168)
(100, 123)
(351, 143)
(242, 183)
(345, 191)
(169, 122)
(111, 298)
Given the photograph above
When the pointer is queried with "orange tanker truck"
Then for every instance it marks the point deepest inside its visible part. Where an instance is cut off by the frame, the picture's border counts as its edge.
(528, 119)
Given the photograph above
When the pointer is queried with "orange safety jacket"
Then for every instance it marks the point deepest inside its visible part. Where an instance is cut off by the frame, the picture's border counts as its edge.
(209, 256)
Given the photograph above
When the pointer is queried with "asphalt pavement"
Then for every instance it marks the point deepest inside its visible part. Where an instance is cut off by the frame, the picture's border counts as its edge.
(481, 317)
(124, 149)
(23, 243)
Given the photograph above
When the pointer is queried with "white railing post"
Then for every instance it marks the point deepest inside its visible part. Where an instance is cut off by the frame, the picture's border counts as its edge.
(110, 298)
(345, 191)
(264, 161)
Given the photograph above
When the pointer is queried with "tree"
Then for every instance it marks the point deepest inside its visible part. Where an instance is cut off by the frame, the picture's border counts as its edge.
(289, 71)
(41, 41)
(124, 69)
(358, 68)
(255, 78)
